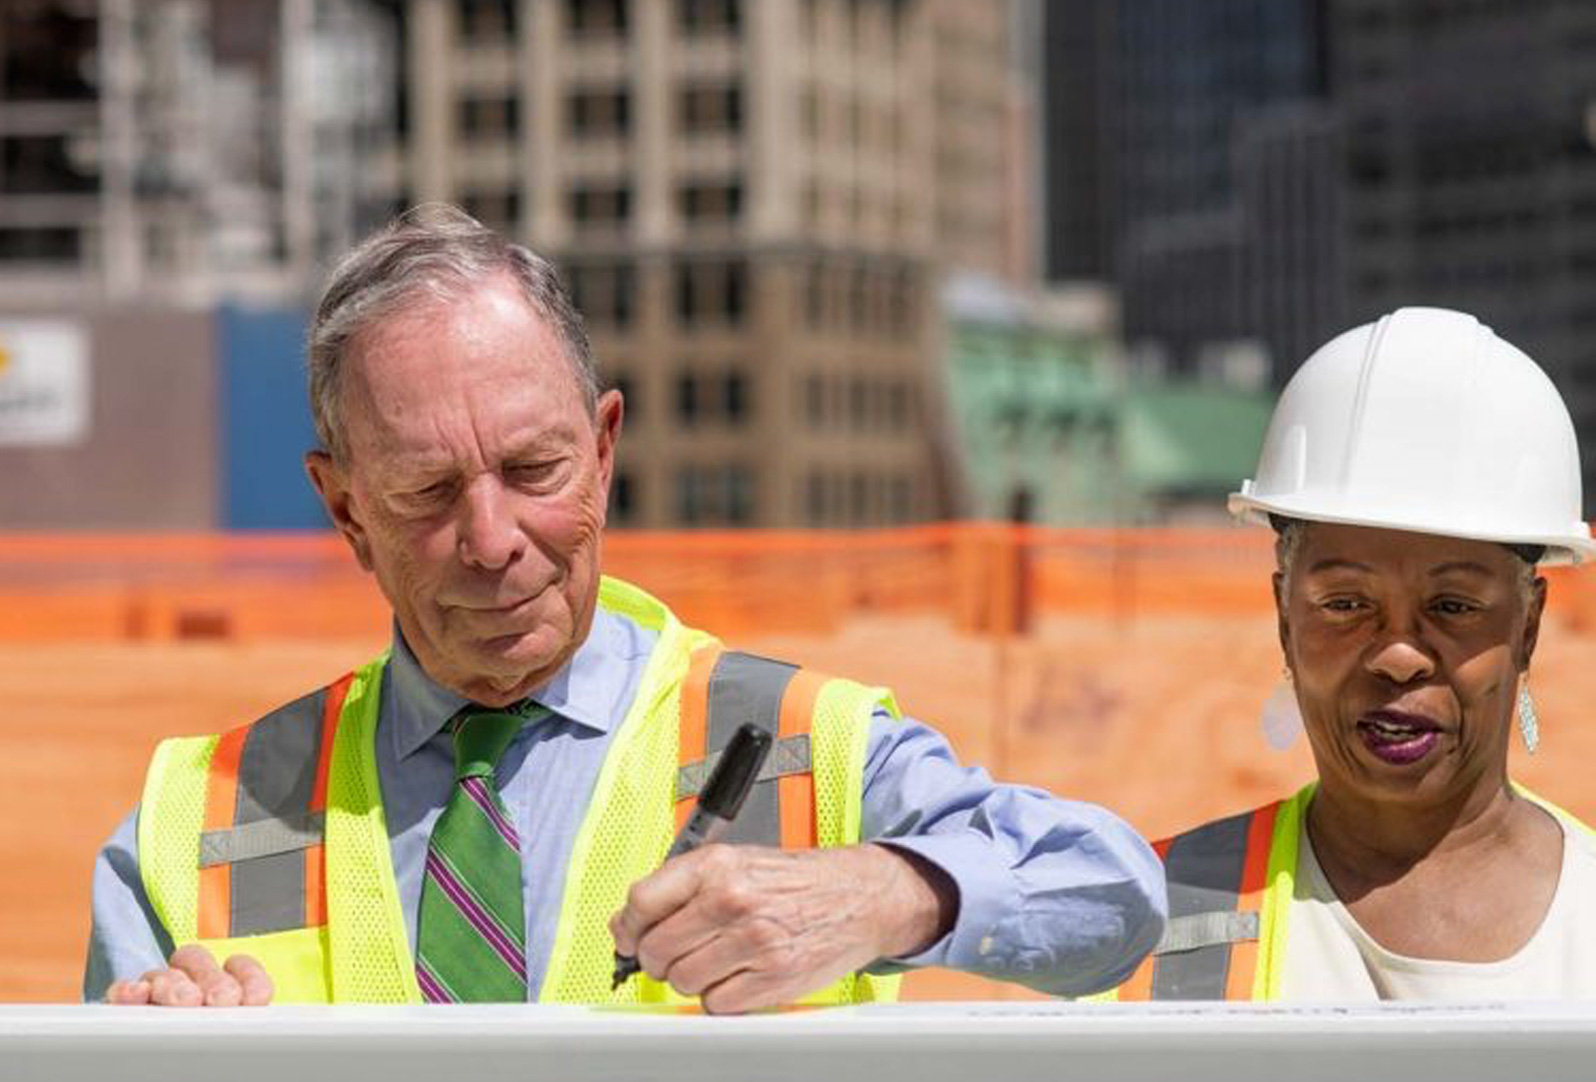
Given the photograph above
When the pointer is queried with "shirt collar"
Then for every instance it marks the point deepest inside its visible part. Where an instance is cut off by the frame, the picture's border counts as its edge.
(585, 691)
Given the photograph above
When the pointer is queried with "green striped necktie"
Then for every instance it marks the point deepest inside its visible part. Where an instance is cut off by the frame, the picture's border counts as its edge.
(471, 938)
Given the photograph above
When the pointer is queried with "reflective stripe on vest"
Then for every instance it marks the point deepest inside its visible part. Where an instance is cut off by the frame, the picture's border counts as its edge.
(723, 690)
(1217, 875)
(261, 856)
(262, 863)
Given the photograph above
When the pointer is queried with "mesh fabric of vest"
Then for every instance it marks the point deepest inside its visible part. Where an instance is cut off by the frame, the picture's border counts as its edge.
(171, 818)
(370, 947)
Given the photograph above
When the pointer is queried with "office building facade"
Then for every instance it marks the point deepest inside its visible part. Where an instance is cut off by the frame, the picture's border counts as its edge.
(752, 202)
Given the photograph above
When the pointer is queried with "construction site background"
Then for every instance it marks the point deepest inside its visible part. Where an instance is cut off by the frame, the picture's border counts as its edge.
(1125, 667)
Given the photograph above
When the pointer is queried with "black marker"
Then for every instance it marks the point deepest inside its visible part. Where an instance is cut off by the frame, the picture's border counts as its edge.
(718, 804)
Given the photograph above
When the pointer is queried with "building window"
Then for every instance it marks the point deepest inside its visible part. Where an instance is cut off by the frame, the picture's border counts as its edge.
(898, 407)
(598, 113)
(498, 210)
(712, 291)
(715, 495)
(902, 496)
(596, 18)
(815, 498)
(487, 22)
(489, 118)
(734, 398)
(711, 109)
(858, 499)
(605, 293)
(814, 287)
(724, 398)
(600, 205)
(41, 244)
(623, 499)
(815, 401)
(711, 202)
(858, 405)
(708, 16)
(687, 400)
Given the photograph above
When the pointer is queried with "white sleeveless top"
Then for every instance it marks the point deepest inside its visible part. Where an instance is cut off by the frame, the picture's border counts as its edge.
(1329, 957)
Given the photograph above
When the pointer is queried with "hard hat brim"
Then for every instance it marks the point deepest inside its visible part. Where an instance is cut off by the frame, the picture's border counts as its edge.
(1572, 546)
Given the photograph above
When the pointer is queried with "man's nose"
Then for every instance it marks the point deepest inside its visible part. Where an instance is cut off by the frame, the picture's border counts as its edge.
(1401, 655)
(489, 535)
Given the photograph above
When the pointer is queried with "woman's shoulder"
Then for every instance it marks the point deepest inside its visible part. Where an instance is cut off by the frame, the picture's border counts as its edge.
(1256, 823)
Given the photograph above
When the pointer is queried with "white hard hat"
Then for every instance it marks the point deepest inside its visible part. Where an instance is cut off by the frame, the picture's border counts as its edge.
(1424, 421)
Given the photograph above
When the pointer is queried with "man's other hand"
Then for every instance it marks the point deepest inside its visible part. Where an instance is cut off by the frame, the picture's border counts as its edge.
(746, 927)
(193, 979)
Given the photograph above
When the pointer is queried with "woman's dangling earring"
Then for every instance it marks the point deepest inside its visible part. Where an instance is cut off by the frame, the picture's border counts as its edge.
(1281, 719)
(1529, 723)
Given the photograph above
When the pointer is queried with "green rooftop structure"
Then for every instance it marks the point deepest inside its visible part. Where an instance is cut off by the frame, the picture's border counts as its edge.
(1046, 425)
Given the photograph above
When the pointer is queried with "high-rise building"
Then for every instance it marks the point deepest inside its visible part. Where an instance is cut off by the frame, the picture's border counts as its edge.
(185, 150)
(1471, 172)
(1154, 163)
(752, 201)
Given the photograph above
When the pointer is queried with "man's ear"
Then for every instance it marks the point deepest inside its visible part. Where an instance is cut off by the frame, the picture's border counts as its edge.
(607, 417)
(332, 485)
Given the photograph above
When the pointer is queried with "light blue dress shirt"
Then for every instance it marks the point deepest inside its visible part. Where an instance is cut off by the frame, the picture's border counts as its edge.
(1059, 895)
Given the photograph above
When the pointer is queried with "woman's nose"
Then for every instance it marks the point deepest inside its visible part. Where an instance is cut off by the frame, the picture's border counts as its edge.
(1402, 658)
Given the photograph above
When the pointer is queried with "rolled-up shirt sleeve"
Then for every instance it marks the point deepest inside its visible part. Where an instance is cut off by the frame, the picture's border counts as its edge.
(1059, 895)
(126, 939)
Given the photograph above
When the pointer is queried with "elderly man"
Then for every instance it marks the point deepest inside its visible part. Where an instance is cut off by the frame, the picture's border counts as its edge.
(480, 814)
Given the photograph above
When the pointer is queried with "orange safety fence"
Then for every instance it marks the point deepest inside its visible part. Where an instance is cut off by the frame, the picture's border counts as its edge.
(990, 578)
(984, 578)
(1120, 666)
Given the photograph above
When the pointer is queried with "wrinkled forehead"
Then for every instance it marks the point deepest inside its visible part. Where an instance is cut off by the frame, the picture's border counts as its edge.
(1323, 546)
(485, 365)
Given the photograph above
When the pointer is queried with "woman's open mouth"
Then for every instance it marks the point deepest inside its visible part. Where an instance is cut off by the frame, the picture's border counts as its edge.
(1398, 739)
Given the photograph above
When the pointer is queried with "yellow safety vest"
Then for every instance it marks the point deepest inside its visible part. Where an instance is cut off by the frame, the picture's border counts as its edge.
(1230, 888)
(270, 840)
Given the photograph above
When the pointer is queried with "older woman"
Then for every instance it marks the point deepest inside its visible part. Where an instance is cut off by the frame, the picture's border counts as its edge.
(1417, 470)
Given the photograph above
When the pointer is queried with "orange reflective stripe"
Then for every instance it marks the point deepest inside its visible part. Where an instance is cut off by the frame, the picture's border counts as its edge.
(1138, 987)
(1250, 895)
(796, 792)
(316, 855)
(221, 804)
(334, 708)
(693, 716)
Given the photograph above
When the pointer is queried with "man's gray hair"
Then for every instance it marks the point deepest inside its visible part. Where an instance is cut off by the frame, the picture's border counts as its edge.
(433, 251)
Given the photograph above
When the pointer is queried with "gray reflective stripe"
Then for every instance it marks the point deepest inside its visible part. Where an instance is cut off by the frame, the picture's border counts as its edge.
(789, 755)
(266, 838)
(1204, 869)
(276, 778)
(748, 688)
(1206, 930)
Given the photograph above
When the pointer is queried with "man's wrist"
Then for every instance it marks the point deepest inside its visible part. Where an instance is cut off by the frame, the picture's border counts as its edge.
(921, 902)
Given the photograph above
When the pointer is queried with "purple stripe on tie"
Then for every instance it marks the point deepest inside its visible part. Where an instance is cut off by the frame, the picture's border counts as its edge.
(431, 986)
(478, 917)
(478, 792)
